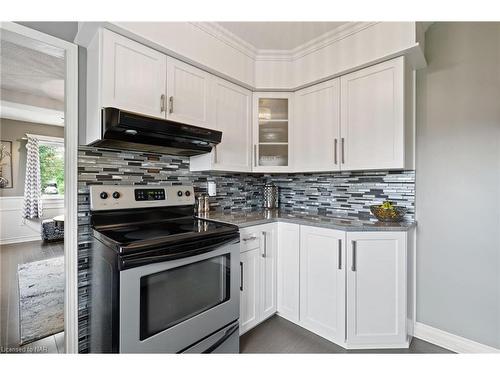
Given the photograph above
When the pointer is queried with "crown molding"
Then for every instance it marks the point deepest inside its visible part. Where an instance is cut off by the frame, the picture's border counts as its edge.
(226, 36)
(221, 33)
(330, 37)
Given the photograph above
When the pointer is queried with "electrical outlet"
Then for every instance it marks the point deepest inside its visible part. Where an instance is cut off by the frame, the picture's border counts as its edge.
(211, 188)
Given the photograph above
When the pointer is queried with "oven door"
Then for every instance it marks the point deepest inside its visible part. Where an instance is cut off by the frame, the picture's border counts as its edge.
(168, 306)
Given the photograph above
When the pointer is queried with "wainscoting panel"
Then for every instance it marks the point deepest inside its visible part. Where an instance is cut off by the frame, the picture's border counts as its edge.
(14, 228)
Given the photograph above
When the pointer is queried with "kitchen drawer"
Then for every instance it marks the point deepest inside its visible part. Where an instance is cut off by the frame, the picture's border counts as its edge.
(250, 239)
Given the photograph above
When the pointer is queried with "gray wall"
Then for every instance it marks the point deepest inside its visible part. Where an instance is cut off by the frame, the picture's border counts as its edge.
(458, 181)
(11, 130)
(62, 30)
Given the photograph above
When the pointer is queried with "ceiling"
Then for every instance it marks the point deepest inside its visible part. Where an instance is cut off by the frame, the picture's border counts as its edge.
(279, 35)
(32, 72)
(31, 82)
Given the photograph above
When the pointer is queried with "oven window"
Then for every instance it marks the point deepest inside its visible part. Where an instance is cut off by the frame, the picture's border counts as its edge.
(172, 296)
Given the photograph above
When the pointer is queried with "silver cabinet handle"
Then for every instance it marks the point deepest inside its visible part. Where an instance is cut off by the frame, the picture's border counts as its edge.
(335, 150)
(249, 239)
(162, 103)
(340, 255)
(241, 276)
(264, 253)
(254, 155)
(343, 157)
(215, 155)
(171, 104)
(353, 266)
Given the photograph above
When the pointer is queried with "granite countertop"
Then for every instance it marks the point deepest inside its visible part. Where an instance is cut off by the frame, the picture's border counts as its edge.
(345, 223)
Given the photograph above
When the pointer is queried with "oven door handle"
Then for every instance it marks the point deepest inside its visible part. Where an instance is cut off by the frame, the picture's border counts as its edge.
(220, 341)
(137, 260)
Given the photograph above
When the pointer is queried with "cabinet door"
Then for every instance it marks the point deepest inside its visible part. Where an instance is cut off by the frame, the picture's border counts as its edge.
(271, 132)
(250, 289)
(188, 94)
(232, 115)
(317, 128)
(133, 76)
(268, 280)
(288, 271)
(372, 117)
(322, 282)
(376, 288)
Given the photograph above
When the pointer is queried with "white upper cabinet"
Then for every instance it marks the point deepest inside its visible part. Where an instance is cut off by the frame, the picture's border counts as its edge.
(133, 76)
(377, 289)
(271, 132)
(363, 120)
(317, 128)
(188, 91)
(231, 114)
(322, 282)
(373, 119)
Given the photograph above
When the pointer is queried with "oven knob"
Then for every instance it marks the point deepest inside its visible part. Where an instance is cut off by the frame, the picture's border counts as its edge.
(187, 193)
(116, 195)
(103, 195)
(179, 193)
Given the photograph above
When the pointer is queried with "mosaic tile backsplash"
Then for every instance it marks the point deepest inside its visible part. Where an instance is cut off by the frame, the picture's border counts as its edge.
(340, 193)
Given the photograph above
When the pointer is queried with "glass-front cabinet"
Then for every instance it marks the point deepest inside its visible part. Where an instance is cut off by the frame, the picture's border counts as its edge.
(271, 132)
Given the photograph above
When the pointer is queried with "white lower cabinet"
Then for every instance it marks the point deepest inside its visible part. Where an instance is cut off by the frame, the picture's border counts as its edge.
(258, 262)
(288, 271)
(322, 282)
(377, 289)
(355, 289)
(249, 289)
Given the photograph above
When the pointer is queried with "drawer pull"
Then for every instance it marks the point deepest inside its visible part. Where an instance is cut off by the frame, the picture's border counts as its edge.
(264, 254)
(353, 266)
(249, 239)
(241, 276)
(340, 255)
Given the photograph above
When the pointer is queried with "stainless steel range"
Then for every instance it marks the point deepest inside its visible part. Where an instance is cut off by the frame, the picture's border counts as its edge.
(162, 281)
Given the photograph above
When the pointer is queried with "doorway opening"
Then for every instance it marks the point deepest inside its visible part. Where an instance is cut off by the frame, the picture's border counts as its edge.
(37, 187)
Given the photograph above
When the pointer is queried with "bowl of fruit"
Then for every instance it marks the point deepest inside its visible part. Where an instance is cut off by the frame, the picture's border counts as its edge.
(388, 212)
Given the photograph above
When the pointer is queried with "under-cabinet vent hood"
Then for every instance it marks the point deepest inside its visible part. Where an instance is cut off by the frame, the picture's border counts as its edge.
(130, 131)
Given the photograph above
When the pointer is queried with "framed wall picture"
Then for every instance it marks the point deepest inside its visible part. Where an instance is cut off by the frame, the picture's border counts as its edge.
(6, 165)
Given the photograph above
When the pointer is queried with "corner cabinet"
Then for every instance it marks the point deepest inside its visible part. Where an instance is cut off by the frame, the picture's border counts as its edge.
(271, 132)
(258, 266)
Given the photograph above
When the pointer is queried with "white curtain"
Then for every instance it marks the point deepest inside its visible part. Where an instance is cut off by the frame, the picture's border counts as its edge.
(32, 182)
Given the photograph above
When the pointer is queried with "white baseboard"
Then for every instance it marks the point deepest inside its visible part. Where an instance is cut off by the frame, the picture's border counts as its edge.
(450, 341)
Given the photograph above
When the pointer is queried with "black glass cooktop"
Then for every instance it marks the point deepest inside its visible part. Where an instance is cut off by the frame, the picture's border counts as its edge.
(137, 230)
(186, 227)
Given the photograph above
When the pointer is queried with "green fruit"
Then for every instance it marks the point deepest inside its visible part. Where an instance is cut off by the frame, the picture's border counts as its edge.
(387, 205)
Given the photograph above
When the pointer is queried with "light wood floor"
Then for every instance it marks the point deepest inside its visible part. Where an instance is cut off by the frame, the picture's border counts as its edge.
(278, 335)
(10, 257)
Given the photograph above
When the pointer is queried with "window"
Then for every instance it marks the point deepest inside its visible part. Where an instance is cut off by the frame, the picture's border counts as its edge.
(52, 168)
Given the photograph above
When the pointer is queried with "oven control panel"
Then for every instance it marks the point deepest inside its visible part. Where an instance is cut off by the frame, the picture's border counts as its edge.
(149, 194)
(115, 197)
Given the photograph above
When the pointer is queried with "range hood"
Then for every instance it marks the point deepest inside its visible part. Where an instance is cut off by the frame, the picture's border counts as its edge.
(129, 131)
